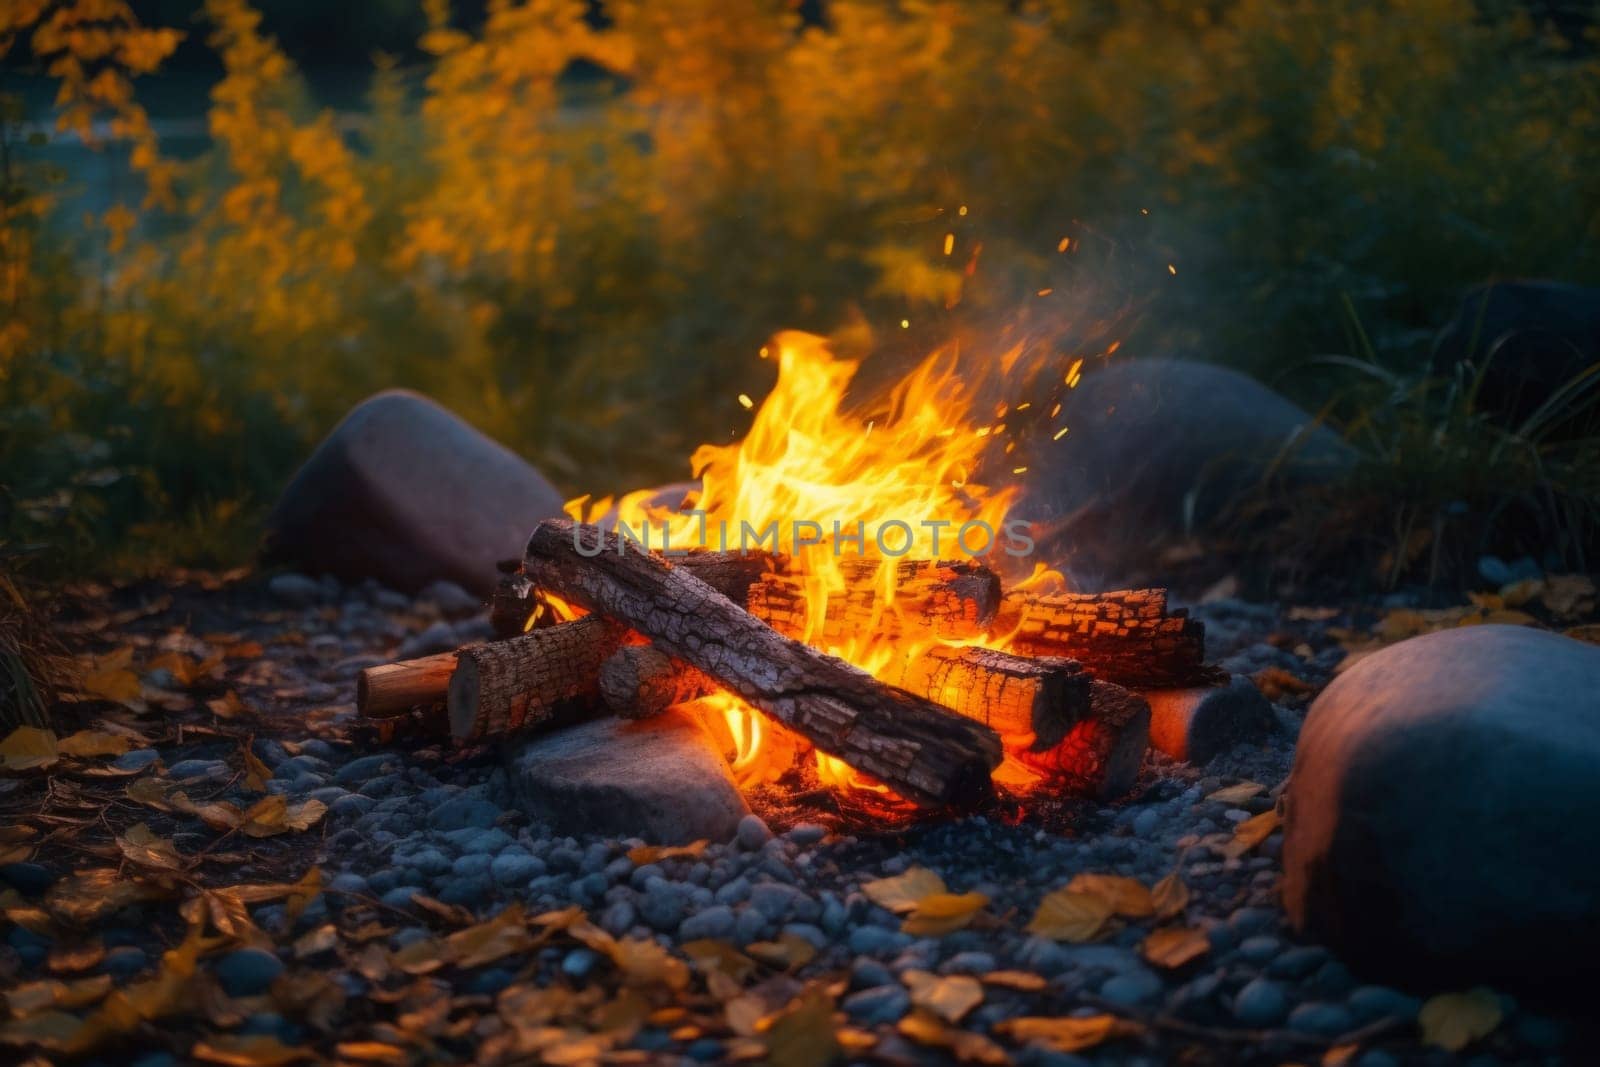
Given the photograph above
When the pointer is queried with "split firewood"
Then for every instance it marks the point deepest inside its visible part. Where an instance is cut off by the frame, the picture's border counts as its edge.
(1128, 636)
(1031, 703)
(920, 750)
(1197, 724)
(1101, 756)
(393, 689)
(947, 599)
(505, 686)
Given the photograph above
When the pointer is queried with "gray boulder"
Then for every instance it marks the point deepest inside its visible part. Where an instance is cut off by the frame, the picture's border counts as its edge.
(1160, 447)
(406, 492)
(1440, 816)
(662, 779)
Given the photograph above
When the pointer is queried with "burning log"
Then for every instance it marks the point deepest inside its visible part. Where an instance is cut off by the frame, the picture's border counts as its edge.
(1031, 703)
(1127, 637)
(931, 598)
(925, 753)
(639, 681)
(509, 685)
(393, 689)
(732, 574)
(1101, 756)
(1197, 724)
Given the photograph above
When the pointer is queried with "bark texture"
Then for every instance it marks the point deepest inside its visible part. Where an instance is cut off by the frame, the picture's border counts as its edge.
(1101, 756)
(522, 682)
(1127, 636)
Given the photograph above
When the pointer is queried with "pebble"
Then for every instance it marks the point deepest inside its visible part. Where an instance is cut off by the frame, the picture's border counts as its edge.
(1369, 1003)
(192, 769)
(295, 589)
(714, 923)
(876, 941)
(778, 902)
(365, 768)
(511, 869)
(878, 1006)
(1322, 1018)
(752, 833)
(1259, 949)
(136, 759)
(462, 812)
(1297, 962)
(451, 600)
(807, 834)
(1262, 1002)
(247, 972)
(663, 904)
(440, 637)
(969, 963)
(1132, 988)
(29, 879)
(125, 961)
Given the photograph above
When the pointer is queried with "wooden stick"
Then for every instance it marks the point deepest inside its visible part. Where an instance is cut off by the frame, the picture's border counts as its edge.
(1127, 636)
(922, 751)
(393, 689)
(505, 686)
(1102, 755)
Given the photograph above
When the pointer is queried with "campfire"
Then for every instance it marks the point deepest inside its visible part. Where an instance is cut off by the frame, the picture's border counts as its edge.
(835, 585)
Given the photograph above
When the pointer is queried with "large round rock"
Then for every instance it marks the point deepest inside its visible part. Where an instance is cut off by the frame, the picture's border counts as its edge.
(1442, 815)
(404, 491)
(1159, 447)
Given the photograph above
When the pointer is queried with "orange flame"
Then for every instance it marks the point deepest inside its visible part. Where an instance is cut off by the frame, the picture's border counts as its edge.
(824, 483)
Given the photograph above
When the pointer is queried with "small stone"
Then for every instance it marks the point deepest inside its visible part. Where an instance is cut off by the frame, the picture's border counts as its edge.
(1259, 949)
(515, 868)
(879, 1006)
(663, 904)
(400, 896)
(714, 923)
(867, 973)
(807, 834)
(1260, 1003)
(440, 637)
(125, 961)
(1297, 962)
(1322, 1018)
(464, 811)
(192, 769)
(247, 972)
(1369, 1003)
(705, 1050)
(968, 963)
(136, 759)
(352, 806)
(365, 768)
(452, 601)
(29, 879)
(490, 981)
(579, 963)
(1247, 921)
(779, 902)
(618, 918)
(1131, 988)
(752, 833)
(295, 589)
(876, 941)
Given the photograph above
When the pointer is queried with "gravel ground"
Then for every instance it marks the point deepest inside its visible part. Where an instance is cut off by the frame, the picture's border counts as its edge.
(419, 840)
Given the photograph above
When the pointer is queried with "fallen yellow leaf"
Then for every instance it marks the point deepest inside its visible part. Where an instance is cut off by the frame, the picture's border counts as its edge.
(967, 1046)
(903, 892)
(1064, 1034)
(28, 748)
(1455, 1020)
(1173, 946)
(88, 743)
(1067, 915)
(138, 845)
(1127, 896)
(1250, 833)
(1237, 794)
(949, 996)
(1170, 896)
(941, 913)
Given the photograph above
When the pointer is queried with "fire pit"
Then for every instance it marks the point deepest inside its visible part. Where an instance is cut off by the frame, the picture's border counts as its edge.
(831, 601)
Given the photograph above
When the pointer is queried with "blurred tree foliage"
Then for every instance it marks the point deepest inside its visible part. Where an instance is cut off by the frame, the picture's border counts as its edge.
(585, 267)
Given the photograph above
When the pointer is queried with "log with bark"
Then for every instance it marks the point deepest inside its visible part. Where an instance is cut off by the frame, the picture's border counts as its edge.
(1031, 703)
(527, 681)
(922, 751)
(1127, 636)
(1101, 756)
(391, 690)
(947, 599)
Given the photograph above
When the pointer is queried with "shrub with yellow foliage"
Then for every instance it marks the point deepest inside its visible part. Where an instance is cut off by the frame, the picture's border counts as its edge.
(578, 232)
